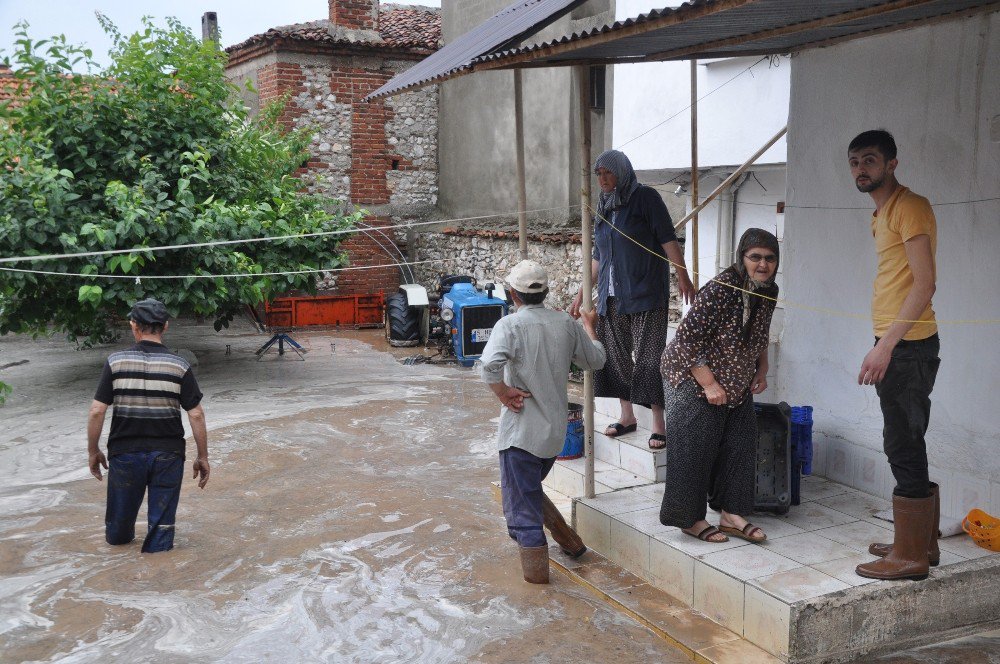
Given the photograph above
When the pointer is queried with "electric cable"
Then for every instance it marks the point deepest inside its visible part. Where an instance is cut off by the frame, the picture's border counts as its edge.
(688, 107)
(786, 303)
(273, 238)
(237, 275)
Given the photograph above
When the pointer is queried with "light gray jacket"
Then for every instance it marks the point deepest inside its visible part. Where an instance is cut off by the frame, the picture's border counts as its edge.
(532, 350)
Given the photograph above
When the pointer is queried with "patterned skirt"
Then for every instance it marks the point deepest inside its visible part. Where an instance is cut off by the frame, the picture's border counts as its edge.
(711, 455)
(634, 344)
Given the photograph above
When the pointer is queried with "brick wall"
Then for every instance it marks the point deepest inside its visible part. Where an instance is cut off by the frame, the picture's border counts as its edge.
(329, 100)
(369, 146)
(276, 79)
(354, 14)
(364, 249)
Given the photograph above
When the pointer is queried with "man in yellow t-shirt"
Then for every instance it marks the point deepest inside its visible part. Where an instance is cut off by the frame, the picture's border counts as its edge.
(904, 362)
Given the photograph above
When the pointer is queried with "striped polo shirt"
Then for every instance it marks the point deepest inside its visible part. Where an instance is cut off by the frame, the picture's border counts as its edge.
(148, 386)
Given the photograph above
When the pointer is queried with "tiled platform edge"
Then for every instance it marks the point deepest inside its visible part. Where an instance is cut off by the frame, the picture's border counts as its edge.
(684, 628)
(797, 596)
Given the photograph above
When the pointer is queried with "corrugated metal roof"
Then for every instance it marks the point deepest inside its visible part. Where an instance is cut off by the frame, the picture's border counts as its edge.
(729, 28)
(513, 24)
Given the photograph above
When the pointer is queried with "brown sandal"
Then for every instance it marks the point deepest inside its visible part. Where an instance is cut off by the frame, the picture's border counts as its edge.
(745, 533)
(705, 534)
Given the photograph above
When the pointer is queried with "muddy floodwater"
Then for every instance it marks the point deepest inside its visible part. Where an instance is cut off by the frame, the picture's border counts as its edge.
(348, 518)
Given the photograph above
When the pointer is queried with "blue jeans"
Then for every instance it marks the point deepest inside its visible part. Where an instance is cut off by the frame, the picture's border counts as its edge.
(129, 475)
(521, 475)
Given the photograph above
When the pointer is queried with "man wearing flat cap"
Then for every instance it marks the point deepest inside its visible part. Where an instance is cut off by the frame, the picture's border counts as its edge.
(148, 386)
(526, 363)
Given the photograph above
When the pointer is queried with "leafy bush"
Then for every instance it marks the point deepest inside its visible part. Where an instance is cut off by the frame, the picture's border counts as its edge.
(155, 150)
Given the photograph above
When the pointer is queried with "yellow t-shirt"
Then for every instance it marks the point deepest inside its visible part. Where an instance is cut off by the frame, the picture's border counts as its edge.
(904, 216)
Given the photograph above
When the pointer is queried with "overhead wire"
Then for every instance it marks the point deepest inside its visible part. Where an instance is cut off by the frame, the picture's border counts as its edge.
(783, 301)
(234, 275)
(688, 107)
(273, 238)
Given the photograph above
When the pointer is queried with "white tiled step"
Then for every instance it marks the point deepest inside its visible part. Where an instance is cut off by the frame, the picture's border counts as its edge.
(629, 451)
(567, 478)
(807, 560)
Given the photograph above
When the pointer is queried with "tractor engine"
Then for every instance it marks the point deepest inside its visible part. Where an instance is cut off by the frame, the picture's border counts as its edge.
(459, 323)
(469, 315)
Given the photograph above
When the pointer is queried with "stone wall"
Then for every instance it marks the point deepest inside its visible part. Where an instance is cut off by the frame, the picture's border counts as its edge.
(379, 155)
(412, 145)
(318, 109)
(489, 255)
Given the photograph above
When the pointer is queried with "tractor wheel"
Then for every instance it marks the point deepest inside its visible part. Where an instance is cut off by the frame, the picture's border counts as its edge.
(402, 322)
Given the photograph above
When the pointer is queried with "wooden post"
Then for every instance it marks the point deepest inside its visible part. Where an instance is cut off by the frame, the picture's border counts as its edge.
(732, 178)
(522, 193)
(694, 173)
(583, 85)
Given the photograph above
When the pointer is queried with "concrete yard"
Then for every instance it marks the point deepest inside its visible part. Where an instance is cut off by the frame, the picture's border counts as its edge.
(349, 518)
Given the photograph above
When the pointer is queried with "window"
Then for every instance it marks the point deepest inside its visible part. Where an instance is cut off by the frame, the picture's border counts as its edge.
(597, 85)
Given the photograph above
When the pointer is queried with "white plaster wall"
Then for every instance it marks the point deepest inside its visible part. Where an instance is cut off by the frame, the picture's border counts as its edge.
(733, 122)
(936, 89)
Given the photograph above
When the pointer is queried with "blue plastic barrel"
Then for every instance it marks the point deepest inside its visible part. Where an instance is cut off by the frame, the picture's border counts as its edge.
(573, 447)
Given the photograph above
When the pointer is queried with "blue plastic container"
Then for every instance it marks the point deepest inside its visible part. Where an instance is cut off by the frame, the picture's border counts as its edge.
(573, 447)
(802, 423)
(802, 451)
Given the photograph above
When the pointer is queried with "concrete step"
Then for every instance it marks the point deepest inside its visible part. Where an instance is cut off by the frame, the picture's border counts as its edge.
(567, 478)
(630, 451)
(796, 595)
(699, 638)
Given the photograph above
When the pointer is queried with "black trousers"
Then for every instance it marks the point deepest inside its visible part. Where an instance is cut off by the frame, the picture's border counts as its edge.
(904, 395)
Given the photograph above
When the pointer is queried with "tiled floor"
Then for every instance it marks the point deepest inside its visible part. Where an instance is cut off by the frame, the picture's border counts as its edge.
(748, 588)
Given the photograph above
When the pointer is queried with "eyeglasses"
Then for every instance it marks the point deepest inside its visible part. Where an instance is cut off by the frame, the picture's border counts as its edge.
(771, 259)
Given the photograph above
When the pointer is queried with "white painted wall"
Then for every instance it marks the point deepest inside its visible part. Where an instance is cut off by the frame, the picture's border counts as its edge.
(733, 122)
(936, 89)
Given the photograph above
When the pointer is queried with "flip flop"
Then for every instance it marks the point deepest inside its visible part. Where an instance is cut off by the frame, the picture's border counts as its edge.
(745, 533)
(705, 534)
(659, 437)
(619, 429)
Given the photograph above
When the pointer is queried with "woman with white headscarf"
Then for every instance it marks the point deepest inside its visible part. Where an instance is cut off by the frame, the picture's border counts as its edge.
(633, 238)
(715, 364)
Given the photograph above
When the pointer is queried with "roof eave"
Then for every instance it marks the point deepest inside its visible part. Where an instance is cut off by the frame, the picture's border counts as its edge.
(241, 54)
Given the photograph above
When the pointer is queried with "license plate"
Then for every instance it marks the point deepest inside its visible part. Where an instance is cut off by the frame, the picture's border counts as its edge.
(481, 335)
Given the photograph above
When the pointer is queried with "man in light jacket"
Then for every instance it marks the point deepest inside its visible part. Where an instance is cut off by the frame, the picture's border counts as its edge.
(526, 363)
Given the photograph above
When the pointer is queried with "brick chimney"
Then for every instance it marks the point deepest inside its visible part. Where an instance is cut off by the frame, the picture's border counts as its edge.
(354, 14)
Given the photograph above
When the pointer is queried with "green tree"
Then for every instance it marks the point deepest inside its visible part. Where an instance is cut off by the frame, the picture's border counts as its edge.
(156, 150)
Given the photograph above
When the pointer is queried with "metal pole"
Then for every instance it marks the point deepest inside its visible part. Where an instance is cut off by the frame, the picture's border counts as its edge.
(694, 172)
(522, 194)
(732, 177)
(583, 85)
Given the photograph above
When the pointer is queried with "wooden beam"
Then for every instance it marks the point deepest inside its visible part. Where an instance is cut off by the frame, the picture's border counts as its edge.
(694, 173)
(733, 46)
(815, 24)
(522, 192)
(587, 286)
(906, 25)
(683, 13)
(732, 177)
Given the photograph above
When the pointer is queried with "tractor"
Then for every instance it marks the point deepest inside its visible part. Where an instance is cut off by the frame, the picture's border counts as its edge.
(459, 322)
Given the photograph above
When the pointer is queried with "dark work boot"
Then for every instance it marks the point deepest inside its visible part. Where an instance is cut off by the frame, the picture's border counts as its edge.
(908, 559)
(933, 552)
(535, 563)
(565, 537)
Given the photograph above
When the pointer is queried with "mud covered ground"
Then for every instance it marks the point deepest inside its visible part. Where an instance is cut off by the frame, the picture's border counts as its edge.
(348, 518)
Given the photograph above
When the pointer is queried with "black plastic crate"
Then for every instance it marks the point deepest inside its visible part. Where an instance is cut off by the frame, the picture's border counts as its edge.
(774, 458)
